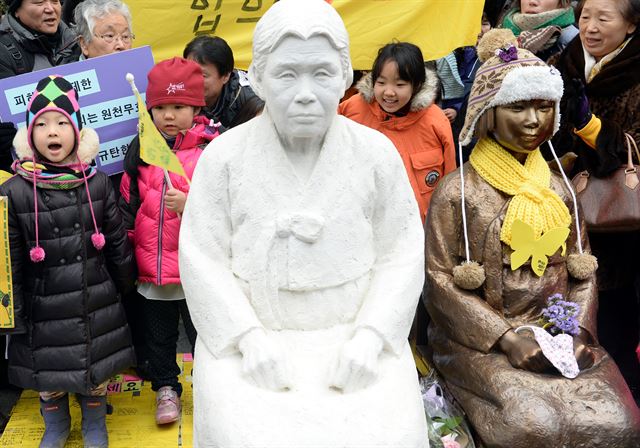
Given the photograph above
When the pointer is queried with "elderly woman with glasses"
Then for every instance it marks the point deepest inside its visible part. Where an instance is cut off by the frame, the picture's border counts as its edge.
(103, 26)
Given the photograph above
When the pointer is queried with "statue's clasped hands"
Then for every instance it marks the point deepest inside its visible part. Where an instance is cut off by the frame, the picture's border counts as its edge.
(265, 361)
(525, 353)
(356, 366)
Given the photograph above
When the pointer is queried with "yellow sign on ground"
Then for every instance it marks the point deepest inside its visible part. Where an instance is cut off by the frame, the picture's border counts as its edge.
(436, 26)
(6, 285)
(132, 423)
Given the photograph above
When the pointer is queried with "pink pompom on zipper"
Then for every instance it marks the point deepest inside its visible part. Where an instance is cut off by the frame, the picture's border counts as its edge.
(36, 254)
(98, 240)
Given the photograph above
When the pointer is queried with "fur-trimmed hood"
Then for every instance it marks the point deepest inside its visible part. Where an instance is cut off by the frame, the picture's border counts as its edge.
(88, 146)
(421, 100)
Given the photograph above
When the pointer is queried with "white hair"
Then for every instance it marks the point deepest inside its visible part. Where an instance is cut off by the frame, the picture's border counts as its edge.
(303, 19)
(88, 11)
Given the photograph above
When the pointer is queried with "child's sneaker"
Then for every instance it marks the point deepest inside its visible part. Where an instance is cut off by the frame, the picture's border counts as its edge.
(167, 405)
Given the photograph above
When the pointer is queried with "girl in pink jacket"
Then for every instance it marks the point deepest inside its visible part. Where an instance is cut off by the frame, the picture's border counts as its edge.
(152, 203)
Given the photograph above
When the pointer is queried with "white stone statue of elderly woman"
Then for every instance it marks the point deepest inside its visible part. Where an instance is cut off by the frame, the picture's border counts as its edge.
(301, 256)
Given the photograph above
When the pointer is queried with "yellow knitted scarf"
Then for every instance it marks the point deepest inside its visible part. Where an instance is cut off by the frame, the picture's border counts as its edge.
(534, 202)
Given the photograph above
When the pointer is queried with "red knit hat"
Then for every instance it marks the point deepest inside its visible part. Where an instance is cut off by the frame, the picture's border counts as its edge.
(175, 81)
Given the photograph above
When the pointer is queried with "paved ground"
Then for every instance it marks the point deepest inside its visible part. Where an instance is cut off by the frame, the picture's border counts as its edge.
(9, 395)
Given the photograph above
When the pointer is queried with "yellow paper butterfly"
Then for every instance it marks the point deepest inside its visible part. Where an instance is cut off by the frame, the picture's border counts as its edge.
(525, 245)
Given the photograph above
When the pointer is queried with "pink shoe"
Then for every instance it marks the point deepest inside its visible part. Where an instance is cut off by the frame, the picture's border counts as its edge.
(167, 405)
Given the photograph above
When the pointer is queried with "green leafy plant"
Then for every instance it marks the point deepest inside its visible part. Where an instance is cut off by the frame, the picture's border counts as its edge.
(449, 425)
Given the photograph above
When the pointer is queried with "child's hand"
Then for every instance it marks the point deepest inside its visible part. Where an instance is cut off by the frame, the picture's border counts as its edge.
(451, 114)
(175, 200)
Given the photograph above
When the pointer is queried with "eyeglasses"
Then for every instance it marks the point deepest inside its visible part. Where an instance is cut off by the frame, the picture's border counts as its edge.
(110, 38)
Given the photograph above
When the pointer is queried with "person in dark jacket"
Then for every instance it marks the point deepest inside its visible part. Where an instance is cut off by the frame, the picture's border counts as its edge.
(601, 103)
(227, 92)
(71, 260)
(32, 37)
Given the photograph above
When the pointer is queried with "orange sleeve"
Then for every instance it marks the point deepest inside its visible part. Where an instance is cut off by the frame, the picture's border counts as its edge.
(589, 133)
(341, 108)
(446, 138)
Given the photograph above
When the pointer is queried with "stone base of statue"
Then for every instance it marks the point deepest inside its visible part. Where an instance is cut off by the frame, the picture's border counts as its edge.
(237, 413)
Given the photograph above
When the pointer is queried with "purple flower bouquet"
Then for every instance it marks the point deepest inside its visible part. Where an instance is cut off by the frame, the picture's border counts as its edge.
(560, 316)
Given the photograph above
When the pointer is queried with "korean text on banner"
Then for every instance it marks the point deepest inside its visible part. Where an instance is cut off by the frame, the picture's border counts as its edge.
(106, 102)
(436, 26)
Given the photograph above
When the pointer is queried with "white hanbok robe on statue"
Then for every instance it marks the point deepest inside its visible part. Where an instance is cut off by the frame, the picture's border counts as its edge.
(313, 261)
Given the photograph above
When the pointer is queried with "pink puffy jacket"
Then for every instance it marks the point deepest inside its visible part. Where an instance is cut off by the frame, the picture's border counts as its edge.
(152, 228)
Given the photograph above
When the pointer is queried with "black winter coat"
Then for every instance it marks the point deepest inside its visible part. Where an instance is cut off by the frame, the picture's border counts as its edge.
(614, 96)
(71, 333)
(235, 96)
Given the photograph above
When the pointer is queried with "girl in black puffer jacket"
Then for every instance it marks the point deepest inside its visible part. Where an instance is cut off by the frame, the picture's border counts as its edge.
(71, 260)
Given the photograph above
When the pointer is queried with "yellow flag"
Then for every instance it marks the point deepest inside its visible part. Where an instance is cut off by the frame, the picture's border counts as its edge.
(6, 284)
(153, 147)
(436, 26)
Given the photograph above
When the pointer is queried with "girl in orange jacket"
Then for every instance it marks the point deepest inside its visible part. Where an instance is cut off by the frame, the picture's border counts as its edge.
(397, 99)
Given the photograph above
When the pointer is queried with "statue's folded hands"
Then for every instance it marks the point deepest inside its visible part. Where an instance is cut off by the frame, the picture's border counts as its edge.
(264, 360)
(356, 366)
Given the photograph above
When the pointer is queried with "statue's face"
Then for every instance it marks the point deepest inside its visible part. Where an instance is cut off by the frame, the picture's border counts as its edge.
(302, 84)
(523, 126)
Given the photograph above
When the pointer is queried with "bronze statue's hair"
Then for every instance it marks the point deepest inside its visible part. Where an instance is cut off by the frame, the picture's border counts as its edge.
(485, 124)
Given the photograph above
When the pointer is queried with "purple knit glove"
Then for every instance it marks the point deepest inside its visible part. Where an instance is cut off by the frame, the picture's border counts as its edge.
(578, 111)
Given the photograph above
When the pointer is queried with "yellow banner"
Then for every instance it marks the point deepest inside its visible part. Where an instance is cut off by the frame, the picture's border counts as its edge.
(436, 26)
(6, 285)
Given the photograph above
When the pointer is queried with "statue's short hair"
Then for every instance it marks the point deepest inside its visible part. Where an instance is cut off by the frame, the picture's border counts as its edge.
(485, 124)
(303, 19)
